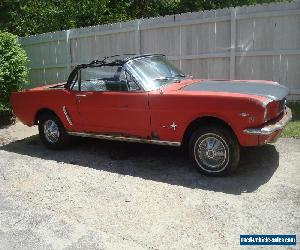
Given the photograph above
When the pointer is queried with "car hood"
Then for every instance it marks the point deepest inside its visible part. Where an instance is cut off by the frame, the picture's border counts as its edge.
(271, 90)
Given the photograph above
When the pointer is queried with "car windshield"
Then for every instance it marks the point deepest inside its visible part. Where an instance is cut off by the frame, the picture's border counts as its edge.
(154, 72)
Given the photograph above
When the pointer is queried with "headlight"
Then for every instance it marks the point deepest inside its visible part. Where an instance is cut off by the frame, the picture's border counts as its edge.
(274, 109)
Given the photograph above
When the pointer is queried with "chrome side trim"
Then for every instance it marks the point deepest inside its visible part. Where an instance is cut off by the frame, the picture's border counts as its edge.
(67, 115)
(269, 129)
(121, 138)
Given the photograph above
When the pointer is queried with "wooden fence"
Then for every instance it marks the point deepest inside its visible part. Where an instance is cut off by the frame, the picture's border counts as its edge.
(254, 42)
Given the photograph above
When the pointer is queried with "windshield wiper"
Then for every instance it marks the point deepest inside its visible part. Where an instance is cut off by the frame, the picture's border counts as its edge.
(180, 75)
(173, 79)
(166, 78)
(162, 78)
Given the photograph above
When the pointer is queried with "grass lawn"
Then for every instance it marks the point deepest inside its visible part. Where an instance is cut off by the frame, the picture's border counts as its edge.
(292, 129)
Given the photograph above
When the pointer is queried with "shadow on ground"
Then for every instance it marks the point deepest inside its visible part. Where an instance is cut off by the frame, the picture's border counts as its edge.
(157, 163)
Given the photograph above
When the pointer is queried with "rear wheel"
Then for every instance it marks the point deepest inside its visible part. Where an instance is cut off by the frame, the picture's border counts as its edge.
(214, 150)
(52, 131)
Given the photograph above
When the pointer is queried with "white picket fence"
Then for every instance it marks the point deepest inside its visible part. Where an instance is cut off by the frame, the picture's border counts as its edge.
(249, 42)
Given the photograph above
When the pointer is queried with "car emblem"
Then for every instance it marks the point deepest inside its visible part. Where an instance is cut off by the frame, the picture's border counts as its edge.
(172, 126)
(244, 114)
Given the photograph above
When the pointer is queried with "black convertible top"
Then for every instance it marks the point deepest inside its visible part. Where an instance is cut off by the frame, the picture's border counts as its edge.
(117, 60)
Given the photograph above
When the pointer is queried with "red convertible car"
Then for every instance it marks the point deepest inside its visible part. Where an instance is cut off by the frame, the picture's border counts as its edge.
(146, 99)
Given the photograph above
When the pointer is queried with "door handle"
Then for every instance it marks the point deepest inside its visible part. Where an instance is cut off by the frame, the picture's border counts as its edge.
(78, 97)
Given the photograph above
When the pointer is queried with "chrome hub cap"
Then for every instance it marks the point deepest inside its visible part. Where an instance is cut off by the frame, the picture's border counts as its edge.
(51, 131)
(212, 152)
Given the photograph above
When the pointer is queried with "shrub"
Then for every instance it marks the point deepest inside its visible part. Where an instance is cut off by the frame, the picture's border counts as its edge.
(13, 69)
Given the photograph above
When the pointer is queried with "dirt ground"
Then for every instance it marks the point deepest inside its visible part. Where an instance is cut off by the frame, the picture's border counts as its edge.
(112, 195)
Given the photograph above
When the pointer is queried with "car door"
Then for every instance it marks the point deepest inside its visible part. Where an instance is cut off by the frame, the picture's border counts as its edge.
(106, 105)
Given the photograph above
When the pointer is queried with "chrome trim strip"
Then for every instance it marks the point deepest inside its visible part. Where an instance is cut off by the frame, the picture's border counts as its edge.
(269, 129)
(67, 115)
(121, 138)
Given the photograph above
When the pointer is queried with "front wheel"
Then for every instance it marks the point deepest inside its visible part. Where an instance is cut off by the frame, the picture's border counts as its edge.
(52, 131)
(214, 150)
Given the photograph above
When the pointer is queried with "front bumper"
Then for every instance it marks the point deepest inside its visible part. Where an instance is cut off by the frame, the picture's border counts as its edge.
(271, 128)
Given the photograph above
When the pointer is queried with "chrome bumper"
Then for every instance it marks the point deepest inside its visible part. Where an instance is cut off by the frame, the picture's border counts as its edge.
(269, 129)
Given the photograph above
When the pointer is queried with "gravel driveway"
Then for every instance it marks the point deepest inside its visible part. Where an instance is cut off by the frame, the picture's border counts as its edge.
(113, 195)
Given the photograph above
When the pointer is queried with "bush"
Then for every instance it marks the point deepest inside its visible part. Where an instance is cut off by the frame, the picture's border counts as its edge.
(13, 69)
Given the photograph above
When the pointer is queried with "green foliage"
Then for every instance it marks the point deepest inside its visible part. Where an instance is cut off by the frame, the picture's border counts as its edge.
(27, 17)
(293, 127)
(13, 70)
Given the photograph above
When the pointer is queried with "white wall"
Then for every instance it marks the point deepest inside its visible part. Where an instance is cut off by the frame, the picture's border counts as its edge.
(254, 42)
